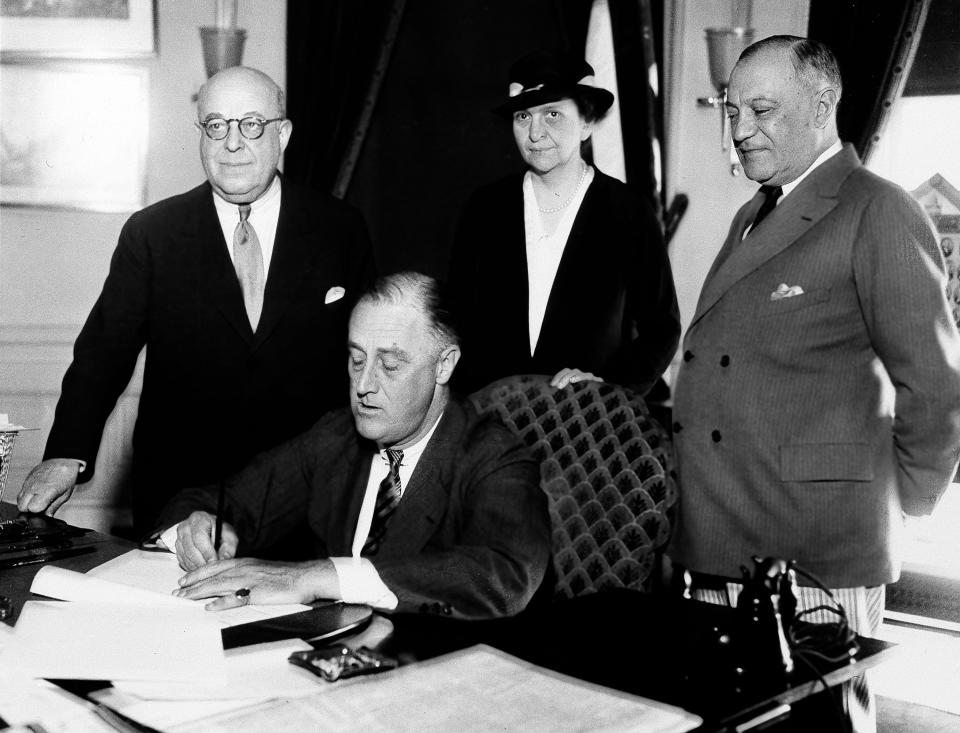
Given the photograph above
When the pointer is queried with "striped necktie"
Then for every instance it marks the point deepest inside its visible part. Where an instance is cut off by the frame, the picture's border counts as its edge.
(388, 497)
(248, 262)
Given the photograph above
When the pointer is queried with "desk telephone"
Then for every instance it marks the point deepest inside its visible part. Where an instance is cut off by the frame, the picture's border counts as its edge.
(770, 633)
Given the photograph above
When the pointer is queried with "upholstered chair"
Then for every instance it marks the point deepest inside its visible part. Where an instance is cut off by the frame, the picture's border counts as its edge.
(607, 468)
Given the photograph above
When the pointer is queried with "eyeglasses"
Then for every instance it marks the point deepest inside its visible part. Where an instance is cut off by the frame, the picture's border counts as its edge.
(251, 128)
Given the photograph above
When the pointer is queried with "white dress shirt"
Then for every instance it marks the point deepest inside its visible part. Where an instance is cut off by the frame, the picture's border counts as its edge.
(544, 251)
(264, 215)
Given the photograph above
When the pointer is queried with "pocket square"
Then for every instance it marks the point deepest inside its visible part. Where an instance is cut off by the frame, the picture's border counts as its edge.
(785, 291)
(334, 294)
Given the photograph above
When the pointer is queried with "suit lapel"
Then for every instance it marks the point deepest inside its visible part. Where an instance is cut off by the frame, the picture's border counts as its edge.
(216, 276)
(354, 464)
(425, 500)
(812, 200)
(294, 250)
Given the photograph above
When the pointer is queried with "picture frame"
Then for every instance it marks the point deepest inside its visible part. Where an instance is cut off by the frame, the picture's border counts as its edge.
(74, 135)
(82, 29)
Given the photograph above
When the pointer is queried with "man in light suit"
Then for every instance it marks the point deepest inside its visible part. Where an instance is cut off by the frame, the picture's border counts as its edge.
(412, 502)
(240, 289)
(819, 395)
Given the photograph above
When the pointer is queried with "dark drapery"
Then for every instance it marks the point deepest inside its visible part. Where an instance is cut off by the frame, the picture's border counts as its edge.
(431, 138)
(635, 43)
(874, 43)
(333, 51)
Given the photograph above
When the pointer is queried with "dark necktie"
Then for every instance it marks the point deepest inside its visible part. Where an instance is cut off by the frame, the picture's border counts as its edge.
(388, 496)
(771, 195)
(248, 262)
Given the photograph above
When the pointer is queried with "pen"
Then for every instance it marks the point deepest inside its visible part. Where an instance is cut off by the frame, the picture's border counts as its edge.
(45, 556)
(219, 529)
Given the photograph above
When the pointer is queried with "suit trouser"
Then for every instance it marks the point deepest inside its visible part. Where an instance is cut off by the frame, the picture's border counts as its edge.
(864, 610)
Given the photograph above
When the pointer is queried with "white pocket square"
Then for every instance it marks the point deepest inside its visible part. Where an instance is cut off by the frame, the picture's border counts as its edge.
(333, 294)
(785, 291)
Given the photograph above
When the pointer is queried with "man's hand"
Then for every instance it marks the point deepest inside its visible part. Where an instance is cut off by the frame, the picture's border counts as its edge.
(565, 376)
(195, 537)
(48, 486)
(267, 582)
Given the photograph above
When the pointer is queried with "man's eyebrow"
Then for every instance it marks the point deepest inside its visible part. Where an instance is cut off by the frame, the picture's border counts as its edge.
(354, 345)
(395, 351)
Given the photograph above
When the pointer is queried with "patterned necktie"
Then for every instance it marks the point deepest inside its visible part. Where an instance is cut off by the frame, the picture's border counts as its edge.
(248, 262)
(388, 497)
(771, 195)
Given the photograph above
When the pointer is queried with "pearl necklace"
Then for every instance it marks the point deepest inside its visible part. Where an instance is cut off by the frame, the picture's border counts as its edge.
(565, 204)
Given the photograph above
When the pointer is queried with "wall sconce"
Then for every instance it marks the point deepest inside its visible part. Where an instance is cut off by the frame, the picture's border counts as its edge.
(223, 43)
(724, 46)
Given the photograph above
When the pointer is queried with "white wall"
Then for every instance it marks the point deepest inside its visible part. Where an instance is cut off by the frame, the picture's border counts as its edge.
(695, 164)
(53, 263)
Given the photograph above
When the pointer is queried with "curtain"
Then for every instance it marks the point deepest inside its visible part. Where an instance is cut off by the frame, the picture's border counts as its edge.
(875, 44)
(335, 49)
(635, 40)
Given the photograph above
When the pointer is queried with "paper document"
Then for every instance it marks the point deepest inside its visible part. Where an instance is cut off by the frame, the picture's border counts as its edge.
(480, 688)
(142, 577)
(258, 671)
(107, 641)
(39, 705)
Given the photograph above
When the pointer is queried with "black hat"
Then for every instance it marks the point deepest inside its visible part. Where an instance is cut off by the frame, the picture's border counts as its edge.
(543, 76)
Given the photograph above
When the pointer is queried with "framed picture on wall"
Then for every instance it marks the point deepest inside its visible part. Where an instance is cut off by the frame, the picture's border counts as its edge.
(97, 29)
(73, 136)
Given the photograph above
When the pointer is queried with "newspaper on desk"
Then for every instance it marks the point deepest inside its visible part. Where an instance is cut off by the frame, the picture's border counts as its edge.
(480, 688)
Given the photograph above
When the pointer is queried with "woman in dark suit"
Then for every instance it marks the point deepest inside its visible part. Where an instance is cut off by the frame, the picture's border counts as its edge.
(561, 270)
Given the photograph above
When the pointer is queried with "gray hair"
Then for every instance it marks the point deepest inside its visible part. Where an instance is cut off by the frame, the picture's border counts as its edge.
(425, 293)
(812, 60)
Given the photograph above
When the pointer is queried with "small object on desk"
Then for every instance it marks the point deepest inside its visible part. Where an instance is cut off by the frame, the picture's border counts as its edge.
(32, 557)
(323, 623)
(341, 662)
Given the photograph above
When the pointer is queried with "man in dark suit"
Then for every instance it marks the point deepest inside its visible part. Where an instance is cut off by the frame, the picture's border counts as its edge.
(819, 396)
(413, 501)
(240, 289)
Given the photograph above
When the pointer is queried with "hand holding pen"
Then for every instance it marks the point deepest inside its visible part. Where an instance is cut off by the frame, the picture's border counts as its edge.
(196, 541)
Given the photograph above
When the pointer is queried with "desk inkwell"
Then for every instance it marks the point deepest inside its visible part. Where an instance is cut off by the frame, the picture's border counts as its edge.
(31, 538)
(9, 528)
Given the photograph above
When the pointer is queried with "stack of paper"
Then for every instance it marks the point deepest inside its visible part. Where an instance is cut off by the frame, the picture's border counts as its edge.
(480, 688)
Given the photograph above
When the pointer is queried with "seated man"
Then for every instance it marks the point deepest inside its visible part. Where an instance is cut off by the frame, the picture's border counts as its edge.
(413, 502)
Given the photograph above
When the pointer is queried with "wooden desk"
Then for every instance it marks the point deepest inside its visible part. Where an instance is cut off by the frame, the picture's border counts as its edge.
(655, 646)
(658, 647)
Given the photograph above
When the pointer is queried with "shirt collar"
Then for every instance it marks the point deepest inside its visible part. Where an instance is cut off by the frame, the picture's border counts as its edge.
(412, 453)
(268, 198)
(821, 159)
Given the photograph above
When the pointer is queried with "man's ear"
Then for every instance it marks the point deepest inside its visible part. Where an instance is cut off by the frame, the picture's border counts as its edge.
(285, 130)
(447, 362)
(827, 101)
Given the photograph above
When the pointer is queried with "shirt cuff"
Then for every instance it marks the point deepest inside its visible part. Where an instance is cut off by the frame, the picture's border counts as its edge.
(360, 583)
(166, 540)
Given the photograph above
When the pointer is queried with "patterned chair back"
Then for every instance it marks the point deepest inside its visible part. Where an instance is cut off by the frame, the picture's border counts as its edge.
(607, 467)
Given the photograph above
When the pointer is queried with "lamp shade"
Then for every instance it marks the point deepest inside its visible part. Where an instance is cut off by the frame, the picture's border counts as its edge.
(222, 47)
(724, 46)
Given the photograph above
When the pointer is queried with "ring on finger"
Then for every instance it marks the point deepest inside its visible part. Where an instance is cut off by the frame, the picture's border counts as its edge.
(242, 595)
